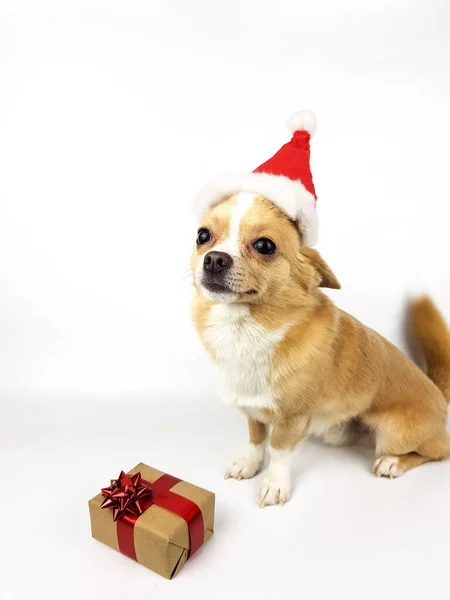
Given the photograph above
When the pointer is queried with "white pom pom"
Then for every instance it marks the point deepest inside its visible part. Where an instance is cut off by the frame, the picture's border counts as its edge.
(305, 120)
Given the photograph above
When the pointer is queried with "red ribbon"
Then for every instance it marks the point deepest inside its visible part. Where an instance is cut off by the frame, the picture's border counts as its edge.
(129, 496)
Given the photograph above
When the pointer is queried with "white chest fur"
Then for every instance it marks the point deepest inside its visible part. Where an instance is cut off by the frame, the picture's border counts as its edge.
(243, 349)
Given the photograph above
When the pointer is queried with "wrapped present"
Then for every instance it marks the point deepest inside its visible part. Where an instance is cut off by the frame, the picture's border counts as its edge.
(154, 518)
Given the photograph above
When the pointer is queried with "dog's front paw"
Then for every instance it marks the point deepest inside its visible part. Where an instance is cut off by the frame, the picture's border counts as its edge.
(247, 466)
(275, 490)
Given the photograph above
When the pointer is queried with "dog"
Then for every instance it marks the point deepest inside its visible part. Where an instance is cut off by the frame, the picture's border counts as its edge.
(290, 359)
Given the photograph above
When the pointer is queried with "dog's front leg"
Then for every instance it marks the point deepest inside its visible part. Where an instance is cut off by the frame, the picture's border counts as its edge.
(276, 487)
(252, 461)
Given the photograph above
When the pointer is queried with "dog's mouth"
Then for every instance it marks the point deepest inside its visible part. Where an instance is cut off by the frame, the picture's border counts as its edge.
(217, 288)
(222, 288)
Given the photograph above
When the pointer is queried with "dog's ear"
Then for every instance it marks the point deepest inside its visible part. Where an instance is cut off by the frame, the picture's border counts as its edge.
(327, 278)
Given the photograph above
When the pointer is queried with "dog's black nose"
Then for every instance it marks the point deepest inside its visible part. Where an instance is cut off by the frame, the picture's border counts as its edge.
(217, 262)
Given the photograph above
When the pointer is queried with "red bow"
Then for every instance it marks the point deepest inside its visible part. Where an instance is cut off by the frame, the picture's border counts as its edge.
(125, 495)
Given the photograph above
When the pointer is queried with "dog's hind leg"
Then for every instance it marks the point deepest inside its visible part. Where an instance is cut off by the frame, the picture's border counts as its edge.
(394, 459)
(407, 439)
(437, 447)
(394, 466)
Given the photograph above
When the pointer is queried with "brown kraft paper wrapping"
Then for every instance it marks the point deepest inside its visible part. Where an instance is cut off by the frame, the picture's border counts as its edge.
(161, 538)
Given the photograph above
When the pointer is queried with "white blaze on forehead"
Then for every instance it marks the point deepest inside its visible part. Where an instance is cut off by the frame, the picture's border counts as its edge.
(244, 202)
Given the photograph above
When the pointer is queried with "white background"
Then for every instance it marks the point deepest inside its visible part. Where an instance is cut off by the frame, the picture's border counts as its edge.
(112, 115)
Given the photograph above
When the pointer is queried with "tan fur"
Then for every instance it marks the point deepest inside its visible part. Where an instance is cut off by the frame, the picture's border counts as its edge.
(433, 336)
(286, 434)
(218, 222)
(257, 431)
(329, 366)
(327, 277)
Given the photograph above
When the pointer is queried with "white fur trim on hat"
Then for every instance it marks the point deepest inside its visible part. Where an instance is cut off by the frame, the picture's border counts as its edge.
(304, 120)
(290, 196)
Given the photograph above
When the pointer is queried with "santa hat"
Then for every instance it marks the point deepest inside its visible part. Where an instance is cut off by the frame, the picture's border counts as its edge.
(285, 179)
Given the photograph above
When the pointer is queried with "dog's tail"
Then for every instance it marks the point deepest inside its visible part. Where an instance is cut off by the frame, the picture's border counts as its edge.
(433, 335)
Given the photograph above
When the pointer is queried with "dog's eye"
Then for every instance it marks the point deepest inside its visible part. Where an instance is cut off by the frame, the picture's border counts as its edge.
(264, 246)
(203, 236)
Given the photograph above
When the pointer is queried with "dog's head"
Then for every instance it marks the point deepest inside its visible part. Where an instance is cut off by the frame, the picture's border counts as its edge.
(248, 251)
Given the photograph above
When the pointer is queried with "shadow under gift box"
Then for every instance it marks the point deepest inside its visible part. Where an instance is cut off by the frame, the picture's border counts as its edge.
(161, 537)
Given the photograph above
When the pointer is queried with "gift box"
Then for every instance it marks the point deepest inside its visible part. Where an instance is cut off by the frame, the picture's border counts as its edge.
(154, 518)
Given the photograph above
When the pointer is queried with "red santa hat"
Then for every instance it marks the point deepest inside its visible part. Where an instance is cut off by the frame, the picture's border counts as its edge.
(285, 179)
